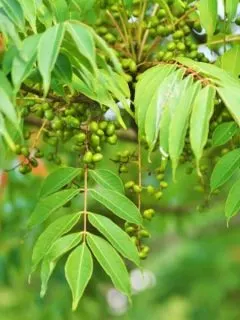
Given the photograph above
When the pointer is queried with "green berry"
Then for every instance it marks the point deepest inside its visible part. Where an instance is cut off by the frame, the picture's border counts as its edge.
(95, 140)
(49, 114)
(129, 184)
(123, 169)
(97, 157)
(171, 46)
(33, 162)
(103, 125)
(150, 189)
(112, 139)
(93, 126)
(18, 149)
(80, 137)
(178, 34)
(158, 195)
(110, 129)
(88, 157)
(25, 151)
(137, 188)
(100, 132)
(181, 46)
(143, 234)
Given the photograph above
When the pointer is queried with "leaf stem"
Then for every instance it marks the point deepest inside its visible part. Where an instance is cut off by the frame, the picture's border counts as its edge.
(139, 172)
(85, 213)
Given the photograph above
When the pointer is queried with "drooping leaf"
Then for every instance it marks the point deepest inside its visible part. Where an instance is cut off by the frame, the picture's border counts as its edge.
(58, 179)
(119, 204)
(160, 100)
(110, 262)
(8, 29)
(29, 9)
(14, 11)
(60, 9)
(59, 248)
(46, 206)
(78, 271)
(5, 134)
(7, 108)
(232, 206)
(202, 112)
(116, 236)
(146, 88)
(229, 61)
(24, 61)
(231, 9)
(225, 168)
(180, 119)
(84, 42)
(54, 231)
(224, 132)
(63, 69)
(231, 97)
(48, 51)
(107, 179)
(5, 84)
(208, 15)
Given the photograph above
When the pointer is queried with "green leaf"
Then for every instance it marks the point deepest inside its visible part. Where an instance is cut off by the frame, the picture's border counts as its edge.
(208, 15)
(202, 112)
(119, 239)
(3, 131)
(24, 61)
(231, 98)
(29, 9)
(164, 132)
(232, 206)
(119, 204)
(231, 9)
(48, 50)
(181, 107)
(14, 11)
(225, 168)
(8, 29)
(146, 88)
(110, 262)
(63, 69)
(46, 206)
(59, 248)
(160, 100)
(107, 179)
(229, 61)
(78, 271)
(109, 52)
(84, 42)
(5, 84)
(224, 132)
(58, 179)
(7, 108)
(54, 231)
(60, 8)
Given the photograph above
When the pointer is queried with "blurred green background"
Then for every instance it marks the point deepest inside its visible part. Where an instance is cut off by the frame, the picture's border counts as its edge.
(192, 272)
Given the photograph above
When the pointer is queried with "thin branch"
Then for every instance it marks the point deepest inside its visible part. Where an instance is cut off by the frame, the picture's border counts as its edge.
(146, 34)
(85, 213)
(39, 133)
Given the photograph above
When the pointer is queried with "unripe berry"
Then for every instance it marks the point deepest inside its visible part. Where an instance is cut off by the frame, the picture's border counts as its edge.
(143, 234)
(137, 188)
(163, 184)
(93, 126)
(49, 114)
(123, 169)
(88, 157)
(150, 189)
(158, 195)
(25, 151)
(97, 157)
(110, 129)
(80, 137)
(112, 139)
(95, 140)
(129, 184)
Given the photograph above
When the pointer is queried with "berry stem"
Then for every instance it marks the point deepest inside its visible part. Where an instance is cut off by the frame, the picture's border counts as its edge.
(39, 133)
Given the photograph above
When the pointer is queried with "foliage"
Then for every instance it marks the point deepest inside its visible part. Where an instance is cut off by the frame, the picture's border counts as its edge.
(77, 75)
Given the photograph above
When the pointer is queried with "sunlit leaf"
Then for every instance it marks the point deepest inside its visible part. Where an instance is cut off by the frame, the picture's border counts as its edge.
(224, 132)
(107, 179)
(110, 262)
(116, 236)
(78, 271)
(225, 168)
(232, 206)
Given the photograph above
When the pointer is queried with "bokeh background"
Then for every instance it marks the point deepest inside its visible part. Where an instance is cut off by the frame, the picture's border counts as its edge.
(192, 272)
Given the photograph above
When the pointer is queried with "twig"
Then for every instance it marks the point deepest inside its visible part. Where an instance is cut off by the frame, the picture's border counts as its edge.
(85, 213)
(146, 34)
